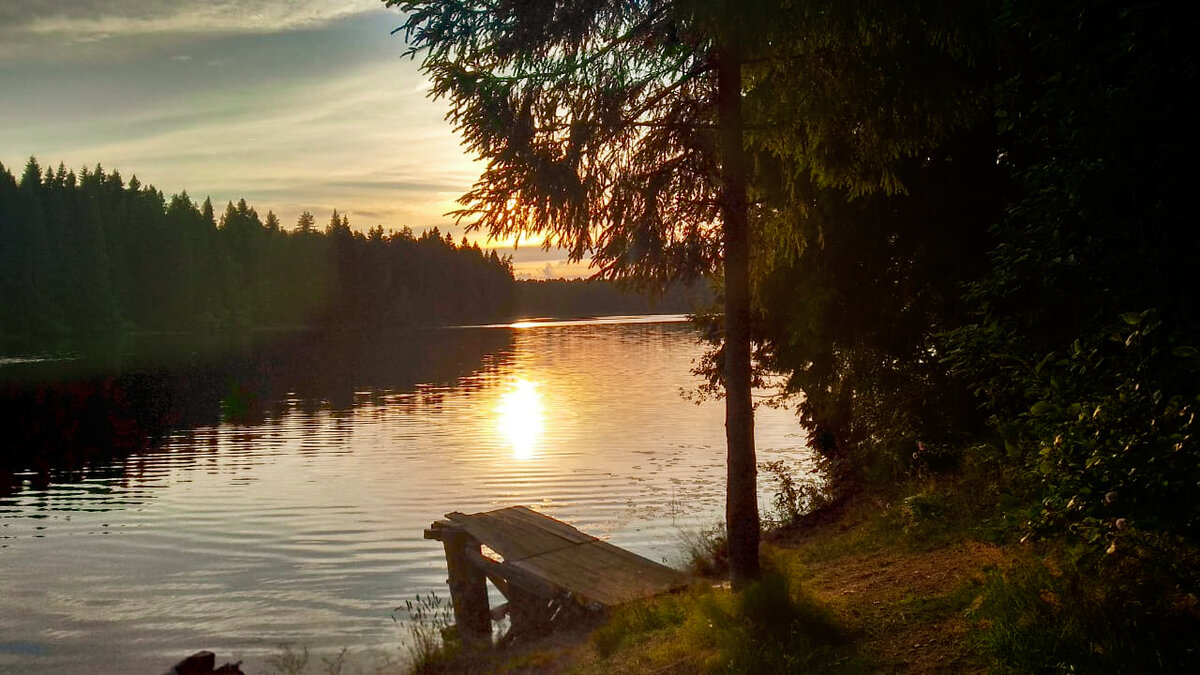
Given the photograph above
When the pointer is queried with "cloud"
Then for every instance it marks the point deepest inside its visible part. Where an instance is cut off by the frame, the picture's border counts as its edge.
(358, 142)
(38, 23)
(133, 17)
(554, 269)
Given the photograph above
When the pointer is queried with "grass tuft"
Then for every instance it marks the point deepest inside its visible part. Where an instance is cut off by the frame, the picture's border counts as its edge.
(706, 552)
(431, 640)
(772, 626)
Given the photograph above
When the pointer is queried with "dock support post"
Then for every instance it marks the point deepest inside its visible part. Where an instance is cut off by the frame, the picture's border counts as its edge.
(527, 611)
(468, 589)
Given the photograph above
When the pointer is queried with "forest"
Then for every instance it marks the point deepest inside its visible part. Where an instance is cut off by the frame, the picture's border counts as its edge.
(86, 253)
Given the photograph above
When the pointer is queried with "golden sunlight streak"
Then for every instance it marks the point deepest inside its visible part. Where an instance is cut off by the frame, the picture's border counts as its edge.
(520, 418)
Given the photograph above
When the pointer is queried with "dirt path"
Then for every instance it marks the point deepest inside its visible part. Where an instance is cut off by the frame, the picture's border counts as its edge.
(904, 606)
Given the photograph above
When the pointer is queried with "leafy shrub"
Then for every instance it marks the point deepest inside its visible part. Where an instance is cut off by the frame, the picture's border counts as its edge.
(793, 497)
(1108, 436)
(925, 511)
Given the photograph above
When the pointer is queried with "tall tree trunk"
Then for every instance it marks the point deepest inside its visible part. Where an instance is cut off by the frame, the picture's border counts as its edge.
(741, 496)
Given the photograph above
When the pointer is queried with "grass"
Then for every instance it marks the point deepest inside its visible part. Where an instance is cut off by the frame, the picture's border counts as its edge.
(773, 626)
(867, 592)
(706, 552)
(430, 642)
(289, 661)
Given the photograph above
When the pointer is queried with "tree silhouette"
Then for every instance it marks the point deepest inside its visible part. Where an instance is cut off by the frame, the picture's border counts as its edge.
(305, 223)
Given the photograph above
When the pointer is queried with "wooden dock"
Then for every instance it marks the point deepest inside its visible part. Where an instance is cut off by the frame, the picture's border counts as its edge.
(546, 569)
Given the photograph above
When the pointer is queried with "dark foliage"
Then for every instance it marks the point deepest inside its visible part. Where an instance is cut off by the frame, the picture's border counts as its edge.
(1084, 344)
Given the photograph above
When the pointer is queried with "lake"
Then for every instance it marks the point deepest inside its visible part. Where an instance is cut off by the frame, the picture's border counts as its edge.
(235, 493)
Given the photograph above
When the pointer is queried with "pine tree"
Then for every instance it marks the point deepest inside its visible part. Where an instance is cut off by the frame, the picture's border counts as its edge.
(305, 223)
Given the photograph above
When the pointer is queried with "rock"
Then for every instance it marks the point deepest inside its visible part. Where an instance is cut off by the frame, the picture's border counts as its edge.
(202, 663)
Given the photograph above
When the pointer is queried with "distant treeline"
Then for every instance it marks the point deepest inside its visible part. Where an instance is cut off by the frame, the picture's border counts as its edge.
(87, 253)
(569, 298)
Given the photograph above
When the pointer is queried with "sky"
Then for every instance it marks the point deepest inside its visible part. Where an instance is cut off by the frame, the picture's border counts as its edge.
(293, 105)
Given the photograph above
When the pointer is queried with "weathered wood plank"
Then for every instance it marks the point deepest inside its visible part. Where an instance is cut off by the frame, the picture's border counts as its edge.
(526, 515)
(436, 530)
(513, 538)
(600, 572)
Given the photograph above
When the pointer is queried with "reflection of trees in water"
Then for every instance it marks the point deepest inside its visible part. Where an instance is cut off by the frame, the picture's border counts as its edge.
(65, 420)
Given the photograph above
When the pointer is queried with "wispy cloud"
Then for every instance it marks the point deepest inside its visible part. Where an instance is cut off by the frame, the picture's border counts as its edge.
(37, 22)
(361, 141)
(132, 17)
(555, 269)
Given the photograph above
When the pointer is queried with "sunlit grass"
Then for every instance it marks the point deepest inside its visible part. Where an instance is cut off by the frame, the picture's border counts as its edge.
(773, 626)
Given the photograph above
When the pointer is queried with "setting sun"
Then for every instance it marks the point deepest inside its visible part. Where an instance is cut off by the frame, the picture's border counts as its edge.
(520, 418)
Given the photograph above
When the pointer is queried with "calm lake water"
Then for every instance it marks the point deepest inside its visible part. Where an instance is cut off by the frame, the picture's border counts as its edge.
(286, 497)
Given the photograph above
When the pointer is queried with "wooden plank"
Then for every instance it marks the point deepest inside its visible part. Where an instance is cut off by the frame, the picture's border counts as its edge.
(438, 527)
(514, 536)
(648, 567)
(525, 514)
(628, 573)
(512, 542)
(586, 586)
(567, 571)
(554, 533)
(600, 572)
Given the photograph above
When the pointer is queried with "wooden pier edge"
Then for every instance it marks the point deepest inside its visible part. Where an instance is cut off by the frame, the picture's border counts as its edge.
(547, 570)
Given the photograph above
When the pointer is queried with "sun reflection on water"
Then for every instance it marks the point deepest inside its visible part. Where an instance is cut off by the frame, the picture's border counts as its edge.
(519, 418)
